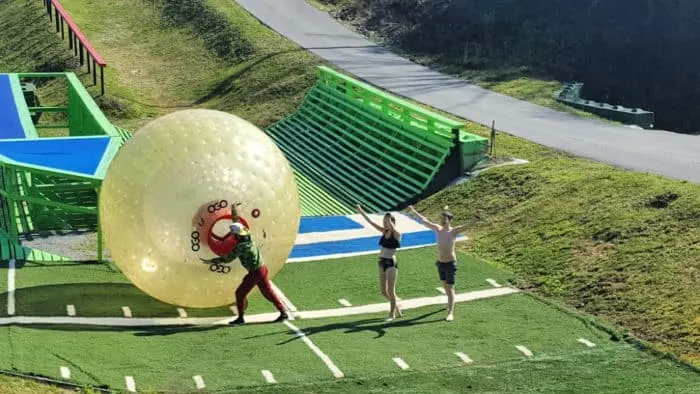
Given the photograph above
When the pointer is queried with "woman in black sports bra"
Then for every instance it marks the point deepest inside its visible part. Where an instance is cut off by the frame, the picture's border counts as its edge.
(388, 269)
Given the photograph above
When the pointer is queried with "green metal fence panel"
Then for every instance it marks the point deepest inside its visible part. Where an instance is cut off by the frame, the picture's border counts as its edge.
(361, 145)
(84, 116)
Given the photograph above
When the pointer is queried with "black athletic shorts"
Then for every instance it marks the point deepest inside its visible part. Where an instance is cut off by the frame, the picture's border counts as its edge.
(387, 263)
(447, 271)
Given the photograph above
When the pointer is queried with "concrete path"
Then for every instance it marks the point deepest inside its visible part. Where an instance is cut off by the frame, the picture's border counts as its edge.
(671, 154)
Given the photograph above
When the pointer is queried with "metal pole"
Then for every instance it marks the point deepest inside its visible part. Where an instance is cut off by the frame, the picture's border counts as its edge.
(102, 80)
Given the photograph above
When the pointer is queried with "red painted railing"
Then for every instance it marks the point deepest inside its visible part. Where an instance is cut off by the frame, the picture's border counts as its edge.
(77, 41)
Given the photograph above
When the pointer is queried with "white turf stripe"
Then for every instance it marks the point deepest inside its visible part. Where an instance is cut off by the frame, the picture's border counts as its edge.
(405, 304)
(260, 318)
(493, 283)
(11, 288)
(344, 302)
(402, 364)
(524, 350)
(287, 303)
(126, 311)
(464, 358)
(198, 382)
(586, 342)
(367, 252)
(403, 222)
(326, 360)
(441, 290)
(268, 376)
(70, 310)
(182, 312)
(130, 384)
(65, 373)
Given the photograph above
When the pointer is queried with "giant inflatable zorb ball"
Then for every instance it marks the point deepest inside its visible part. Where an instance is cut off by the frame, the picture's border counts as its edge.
(166, 205)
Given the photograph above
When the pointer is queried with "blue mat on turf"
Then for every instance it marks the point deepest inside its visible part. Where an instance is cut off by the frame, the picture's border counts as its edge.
(10, 124)
(358, 245)
(81, 155)
(320, 224)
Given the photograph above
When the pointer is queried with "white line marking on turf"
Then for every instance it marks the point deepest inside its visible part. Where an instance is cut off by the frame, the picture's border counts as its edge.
(182, 312)
(524, 350)
(11, 287)
(402, 364)
(65, 373)
(464, 358)
(586, 342)
(268, 376)
(494, 283)
(198, 382)
(292, 309)
(344, 302)
(259, 318)
(70, 310)
(127, 311)
(326, 360)
(130, 384)
(441, 290)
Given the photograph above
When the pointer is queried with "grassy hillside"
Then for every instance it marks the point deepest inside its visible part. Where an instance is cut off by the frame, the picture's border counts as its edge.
(620, 245)
(162, 58)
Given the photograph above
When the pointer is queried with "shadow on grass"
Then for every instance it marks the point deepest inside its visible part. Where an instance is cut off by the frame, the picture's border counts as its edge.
(376, 325)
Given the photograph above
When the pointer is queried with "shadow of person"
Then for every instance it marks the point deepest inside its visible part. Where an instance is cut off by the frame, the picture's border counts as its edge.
(376, 325)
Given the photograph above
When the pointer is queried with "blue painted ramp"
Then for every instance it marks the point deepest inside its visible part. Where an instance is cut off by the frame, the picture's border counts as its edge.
(10, 123)
(80, 155)
(313, 224)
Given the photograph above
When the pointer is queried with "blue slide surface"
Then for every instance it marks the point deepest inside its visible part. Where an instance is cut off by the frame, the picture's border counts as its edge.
(10, 123)
(80, 155)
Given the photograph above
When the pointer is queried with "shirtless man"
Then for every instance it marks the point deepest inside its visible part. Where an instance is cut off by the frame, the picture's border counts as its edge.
(446, 257)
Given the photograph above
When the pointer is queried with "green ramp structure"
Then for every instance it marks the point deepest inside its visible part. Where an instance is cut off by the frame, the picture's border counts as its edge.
(350, 143)
(50, 184)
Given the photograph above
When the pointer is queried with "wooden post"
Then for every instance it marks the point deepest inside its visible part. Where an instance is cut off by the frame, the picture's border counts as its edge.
(70, 39)
(81, 53)
(493, 138)
(102, 80)
(94, 73)
(63, 33)
(87, 60)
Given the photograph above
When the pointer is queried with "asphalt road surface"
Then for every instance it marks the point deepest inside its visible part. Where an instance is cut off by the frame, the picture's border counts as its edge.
(656, 151)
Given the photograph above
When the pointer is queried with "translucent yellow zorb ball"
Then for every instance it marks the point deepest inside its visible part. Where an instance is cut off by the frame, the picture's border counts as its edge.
(172, 193)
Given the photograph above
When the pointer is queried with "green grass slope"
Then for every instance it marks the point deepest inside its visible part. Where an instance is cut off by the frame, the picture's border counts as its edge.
(620, 245)
(164, 56)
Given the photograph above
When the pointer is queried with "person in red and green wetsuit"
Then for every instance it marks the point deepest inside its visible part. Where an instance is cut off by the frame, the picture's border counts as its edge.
(249, 255)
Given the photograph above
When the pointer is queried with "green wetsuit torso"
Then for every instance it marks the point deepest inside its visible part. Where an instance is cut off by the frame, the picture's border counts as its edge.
(247, 252)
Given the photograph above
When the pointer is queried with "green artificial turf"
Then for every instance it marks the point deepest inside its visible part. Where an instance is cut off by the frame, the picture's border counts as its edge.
(320, 284)
(362, 347)
(96, 290)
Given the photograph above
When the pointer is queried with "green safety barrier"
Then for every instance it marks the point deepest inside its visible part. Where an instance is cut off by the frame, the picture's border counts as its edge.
(362, 145)
(35, 198)
(571, 95)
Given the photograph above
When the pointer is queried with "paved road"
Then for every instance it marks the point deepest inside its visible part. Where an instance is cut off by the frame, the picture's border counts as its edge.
(671, 154)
